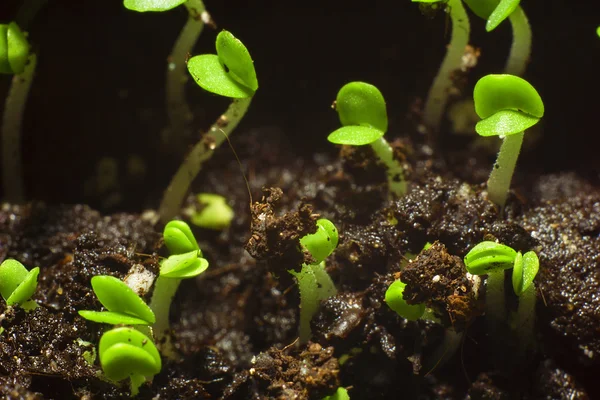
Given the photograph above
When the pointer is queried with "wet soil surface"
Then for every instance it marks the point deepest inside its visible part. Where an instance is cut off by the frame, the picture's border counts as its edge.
(235, 326)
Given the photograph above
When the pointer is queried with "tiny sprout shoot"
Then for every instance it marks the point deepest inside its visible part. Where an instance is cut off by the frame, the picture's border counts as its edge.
(340, 394)
(210, 212)
(127, 353)
(17, 285)
(124, 306)
(314, 282)
(362, 111)
(440, 90)
(15, 59)
(507, 105)
(229, 73)
(185, 262)
(524, 272)
(496, 11)
(394, 298)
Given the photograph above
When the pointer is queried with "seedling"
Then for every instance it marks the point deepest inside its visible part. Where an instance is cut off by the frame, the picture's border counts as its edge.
(394, 298)
(440, 90)
(525, 270)
(17, 285)
(340, 394)
(363, 114)
(178, 110)
(185, 262)
(314, 282)
(496, 11)
(15, 59)
(229, 73)
(507, 105)
(127, 353)
(211, 212)
(124, 306)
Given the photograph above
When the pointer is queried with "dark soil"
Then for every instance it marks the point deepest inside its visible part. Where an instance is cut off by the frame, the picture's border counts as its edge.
(235, 326)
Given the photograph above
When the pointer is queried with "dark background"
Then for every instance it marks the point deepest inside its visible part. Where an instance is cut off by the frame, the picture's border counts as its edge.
(99, 87)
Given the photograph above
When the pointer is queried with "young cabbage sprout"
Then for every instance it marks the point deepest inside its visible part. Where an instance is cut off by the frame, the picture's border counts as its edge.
(363, 114)
(507, 105)
(15, 59)
(314, 282)
(229, 73)
(211, 211)
(17, 285)
(178, 110)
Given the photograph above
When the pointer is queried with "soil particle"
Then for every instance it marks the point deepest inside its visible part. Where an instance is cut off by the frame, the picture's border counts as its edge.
(484, 389)
(554, 382)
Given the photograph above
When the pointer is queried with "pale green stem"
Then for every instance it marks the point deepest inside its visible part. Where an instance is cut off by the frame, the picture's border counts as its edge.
(495, 307)
(498, 183)
(136, 380)
(12, 163)
(525, 321)
(394, 171)
(521, 45)
(203, 150)
(437, 98)
(164, 291)
(178, 110)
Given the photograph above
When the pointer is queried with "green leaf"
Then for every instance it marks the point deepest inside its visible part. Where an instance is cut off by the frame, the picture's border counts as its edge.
(504, 123)
(179, 238)
(117, 297)
(359, 103)
(26, 289)
(497, 92)
(214, 212)
(183, 266)
(12, 273)
(236, 59)
(340, 394)
(488, 257)
(110, 317)
(524, 272)
(323, 242)
(126, 351)
(209, 74)
(394, 297)
(14, 49)
(355, 135)
(152, 5)
(500, 13)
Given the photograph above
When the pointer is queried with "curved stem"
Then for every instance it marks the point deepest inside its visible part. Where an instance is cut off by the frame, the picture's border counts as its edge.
(394, 171)
(201, 152)
(521, 45)
(498, 183)
(178, 110)
(437, 98)
(164, 291)
(12, 163)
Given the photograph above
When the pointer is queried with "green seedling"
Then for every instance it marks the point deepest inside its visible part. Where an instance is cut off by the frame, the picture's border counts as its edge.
(507, 105)
(15, 59)
(211, 212)
(185, 262)
(314, 282)
(127, 353)
(340, 394)
(437, 97)
(229, 73)
(362, 112)
(394, 298)
(496, 11)
(178, 110)
(17, 285)
(124, 306)
(525, 270)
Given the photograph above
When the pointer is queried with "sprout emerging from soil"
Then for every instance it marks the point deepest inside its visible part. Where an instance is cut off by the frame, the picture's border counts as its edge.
(210, 212)
(437, 98)
(229, 73)
(340, 394)
(525, 270)
(507, 105)
(363, 114)
(17, 285)
(124, 306)
(314, 282)
(127, 353)
(184, 262)
(394, 298)
(496, 11)
(15, 59)
(178, 110)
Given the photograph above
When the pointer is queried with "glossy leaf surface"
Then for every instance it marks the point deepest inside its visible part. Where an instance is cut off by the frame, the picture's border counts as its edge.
(179, 238)
(394, 297)
(183, 266)
(110, 317)
(152, 5)
(14, 49)
(524, 272)
(323, 242)
(362, 104)
(355, 135)
(489, 256)
(117, 297)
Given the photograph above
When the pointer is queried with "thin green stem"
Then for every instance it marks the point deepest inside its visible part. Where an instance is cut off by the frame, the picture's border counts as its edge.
(495, 307)
(200, 153)
(178, 110)
(525, 320)
(437, 98)
(394, 170)
(12, 163)
(521, 45)
(498, 183)
(164, 291)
